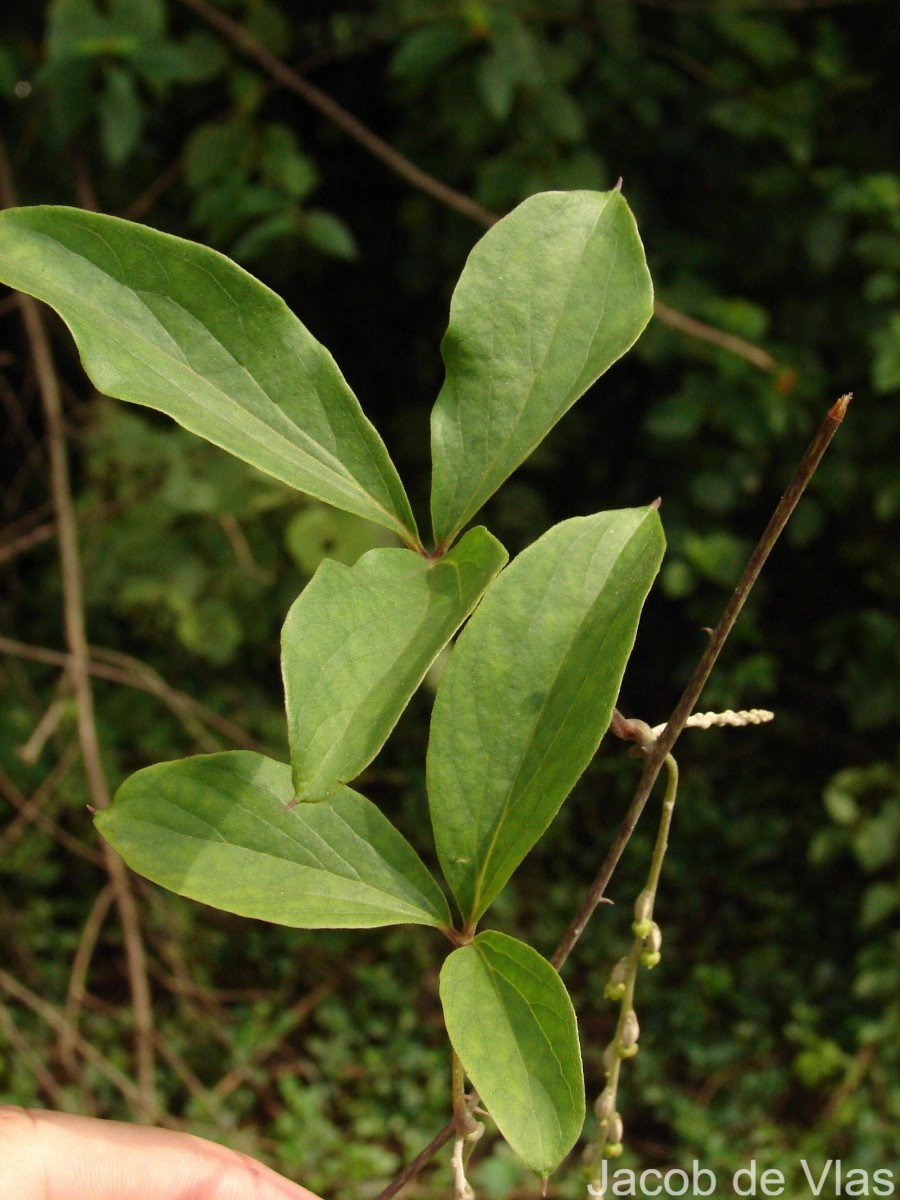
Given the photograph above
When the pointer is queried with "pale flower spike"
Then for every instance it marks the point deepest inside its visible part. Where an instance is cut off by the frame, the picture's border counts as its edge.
(749, 716)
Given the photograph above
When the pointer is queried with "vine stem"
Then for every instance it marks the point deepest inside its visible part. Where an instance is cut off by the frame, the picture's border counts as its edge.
(241, 37)
(243, 40)
(663, 744)
(79, 671)
(648, 903)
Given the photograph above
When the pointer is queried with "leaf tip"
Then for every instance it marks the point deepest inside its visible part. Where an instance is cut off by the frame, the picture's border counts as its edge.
(657, 503)
(619, 183)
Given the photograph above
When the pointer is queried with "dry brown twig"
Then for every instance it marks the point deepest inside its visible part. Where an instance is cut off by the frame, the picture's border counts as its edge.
(77, 990)
(76, 638)
(136, 674)
(57, 1022)
(243, 40)
(30, 810)
(47, 1081)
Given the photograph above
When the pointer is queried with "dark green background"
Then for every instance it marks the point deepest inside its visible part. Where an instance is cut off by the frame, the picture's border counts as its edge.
(758, 146)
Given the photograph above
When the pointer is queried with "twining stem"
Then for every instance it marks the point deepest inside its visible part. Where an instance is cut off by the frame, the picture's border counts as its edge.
(465, 1123)
(685, 706)
(241, 37)
(663, 744)
(467, 1130)
(79, 669)
(417, 1164)
(624, 1043)
(277, 69)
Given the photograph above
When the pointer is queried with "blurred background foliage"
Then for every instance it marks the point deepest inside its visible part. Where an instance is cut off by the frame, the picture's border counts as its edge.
(757, 142)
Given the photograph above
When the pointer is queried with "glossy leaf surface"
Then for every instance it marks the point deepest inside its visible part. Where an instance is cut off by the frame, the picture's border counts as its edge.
(214, 828)
(166, 323)
(549, 298)
(357, 643)
(529, 690)
(510, 1020)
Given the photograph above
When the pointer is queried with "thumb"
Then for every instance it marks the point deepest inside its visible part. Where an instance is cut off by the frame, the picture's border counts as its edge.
(56, 1156)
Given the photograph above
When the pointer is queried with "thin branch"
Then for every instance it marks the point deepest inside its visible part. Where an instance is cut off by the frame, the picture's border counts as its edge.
(15, 544)
(77, 990)
(412, 1169)
(663, 744)
(76, 638)
(243, 40)
(30, 811)
(691, 327)
(13, 547)
(57, 1023)
(658, 749)
(32, 749)
(136, 674)
(141, 205)
(48, 1083)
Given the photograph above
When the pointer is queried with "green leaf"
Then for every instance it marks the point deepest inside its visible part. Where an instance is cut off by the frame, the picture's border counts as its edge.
(420, 54)
(328, 234)
(529, 690)
(121, 116)
(510, 1020)
(215, 828)
(320, 531)
(175, 326)
(549, 298)
(357, 643)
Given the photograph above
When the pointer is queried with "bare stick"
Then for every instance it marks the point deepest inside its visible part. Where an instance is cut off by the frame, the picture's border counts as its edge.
(41, 821)
(339, 116)
(136, 674)
(31, 810)
(663, 744)
(76, 638)
(412, 1169)
(659, 748)
(52, 1089)
(244, 40)
(691, 327)
(57, 1022)
(87, 944)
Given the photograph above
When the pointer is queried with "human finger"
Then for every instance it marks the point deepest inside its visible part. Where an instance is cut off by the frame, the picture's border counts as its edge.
(57, 1156)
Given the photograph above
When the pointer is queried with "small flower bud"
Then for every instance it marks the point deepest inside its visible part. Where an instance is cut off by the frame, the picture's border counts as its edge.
(631, 1030)
(616, 1129)
(628, 1051)
(614, 991)
(643, 907)
(605, 1105)
(619, 973)
(649, 958)
(641, 929)
(612, 1150)
(610, 1054)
